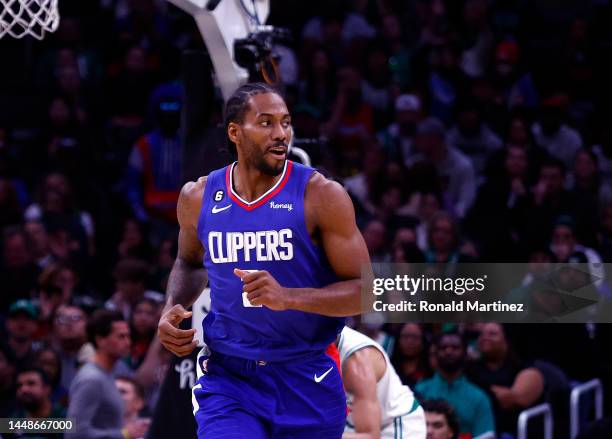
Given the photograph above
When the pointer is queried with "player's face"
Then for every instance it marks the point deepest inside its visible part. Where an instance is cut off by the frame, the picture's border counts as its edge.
(264, 136)
(437, 427)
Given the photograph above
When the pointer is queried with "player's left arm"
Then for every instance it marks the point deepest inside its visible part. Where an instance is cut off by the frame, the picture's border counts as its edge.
(359, 378)
(330, 209)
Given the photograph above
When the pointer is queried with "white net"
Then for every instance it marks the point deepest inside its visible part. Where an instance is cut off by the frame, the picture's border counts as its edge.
(19, 18)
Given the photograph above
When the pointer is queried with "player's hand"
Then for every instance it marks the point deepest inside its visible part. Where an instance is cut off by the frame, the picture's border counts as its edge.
(178, 341)
(263, 289)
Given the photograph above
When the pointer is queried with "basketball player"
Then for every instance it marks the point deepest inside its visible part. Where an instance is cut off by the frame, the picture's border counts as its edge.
(267, 374)
(380, 406)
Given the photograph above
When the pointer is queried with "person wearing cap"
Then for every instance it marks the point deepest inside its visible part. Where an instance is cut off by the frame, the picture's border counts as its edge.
(398, 138)
(454, 170)
(21, 326)
(518, 90)
(153, 175)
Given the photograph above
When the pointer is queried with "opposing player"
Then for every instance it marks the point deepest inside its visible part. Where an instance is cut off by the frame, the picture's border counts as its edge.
(380, 405)
(267, 375)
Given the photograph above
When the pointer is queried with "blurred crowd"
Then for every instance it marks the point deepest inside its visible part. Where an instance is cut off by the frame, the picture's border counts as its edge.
(470, 130)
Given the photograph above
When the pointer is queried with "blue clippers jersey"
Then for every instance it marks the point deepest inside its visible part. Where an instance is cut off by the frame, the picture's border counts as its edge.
(270, 234)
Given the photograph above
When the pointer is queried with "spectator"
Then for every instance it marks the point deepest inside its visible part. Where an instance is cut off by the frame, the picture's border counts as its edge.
(364, 184)
(400, 54)
(398, 138)
(511, 384)
(429, 204)
(57, 209)
(550, 199)
(586, 192)
(34, 397)
(132, 394)
(603, 152)
(19, 272)
(134, 242)
(500, 213)
(445, 78)
(473, 136)
(514, 88)
(41, 248)
(410, 355)
(49, 361)
(552, 134)
(450, 384)
(605, 234)
(57, 286)
(131, 286)
(454, 170)
(130, 88)
(376, 86)
(154, 168)
(21, 327)
(477, 37)
(7, 381)
(70, 340)
(352, 120)
(444, 241)
(441, 420)
(143, 327)
(375, 237)
(94, 398)
(10, 210)
(318, 87)
(165, 260)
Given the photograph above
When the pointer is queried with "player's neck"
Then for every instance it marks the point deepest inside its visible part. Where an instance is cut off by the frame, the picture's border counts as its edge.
(250, 183)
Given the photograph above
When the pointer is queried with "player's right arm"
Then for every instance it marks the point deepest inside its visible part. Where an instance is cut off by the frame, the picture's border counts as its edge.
(188, 276)
(360, 374)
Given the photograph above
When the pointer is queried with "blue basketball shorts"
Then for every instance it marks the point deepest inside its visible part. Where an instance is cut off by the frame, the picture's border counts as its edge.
(239, 399)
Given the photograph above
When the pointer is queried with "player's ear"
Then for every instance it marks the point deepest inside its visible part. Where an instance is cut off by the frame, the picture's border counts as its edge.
(233, 132)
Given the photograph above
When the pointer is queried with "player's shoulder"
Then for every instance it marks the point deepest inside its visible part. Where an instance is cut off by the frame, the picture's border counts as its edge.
(190, 200)
(323, 190)
(327, 198)
(192, 191)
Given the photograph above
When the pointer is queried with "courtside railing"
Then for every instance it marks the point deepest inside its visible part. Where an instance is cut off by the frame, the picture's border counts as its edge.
(535, 412)
(576, 397)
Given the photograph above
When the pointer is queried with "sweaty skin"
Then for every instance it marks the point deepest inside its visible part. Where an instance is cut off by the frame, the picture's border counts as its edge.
(360, 374)
(261, 141)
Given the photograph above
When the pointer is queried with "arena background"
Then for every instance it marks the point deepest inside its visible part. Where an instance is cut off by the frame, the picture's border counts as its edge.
(473, 130)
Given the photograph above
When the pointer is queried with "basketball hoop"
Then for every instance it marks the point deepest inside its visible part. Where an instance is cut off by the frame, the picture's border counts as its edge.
(19, 18)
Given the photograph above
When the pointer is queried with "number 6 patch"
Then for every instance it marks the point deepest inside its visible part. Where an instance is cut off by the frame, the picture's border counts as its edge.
(218, 195)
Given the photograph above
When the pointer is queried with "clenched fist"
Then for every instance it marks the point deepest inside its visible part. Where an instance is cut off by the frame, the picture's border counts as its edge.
(263, 289)
(178, 341)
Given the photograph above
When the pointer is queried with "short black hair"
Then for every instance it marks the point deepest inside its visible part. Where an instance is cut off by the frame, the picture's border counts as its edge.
(138, 389)
(238, 104)
(100, 324)
(553, 162)
(37, 370)
(452, 333)
(443, 408)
